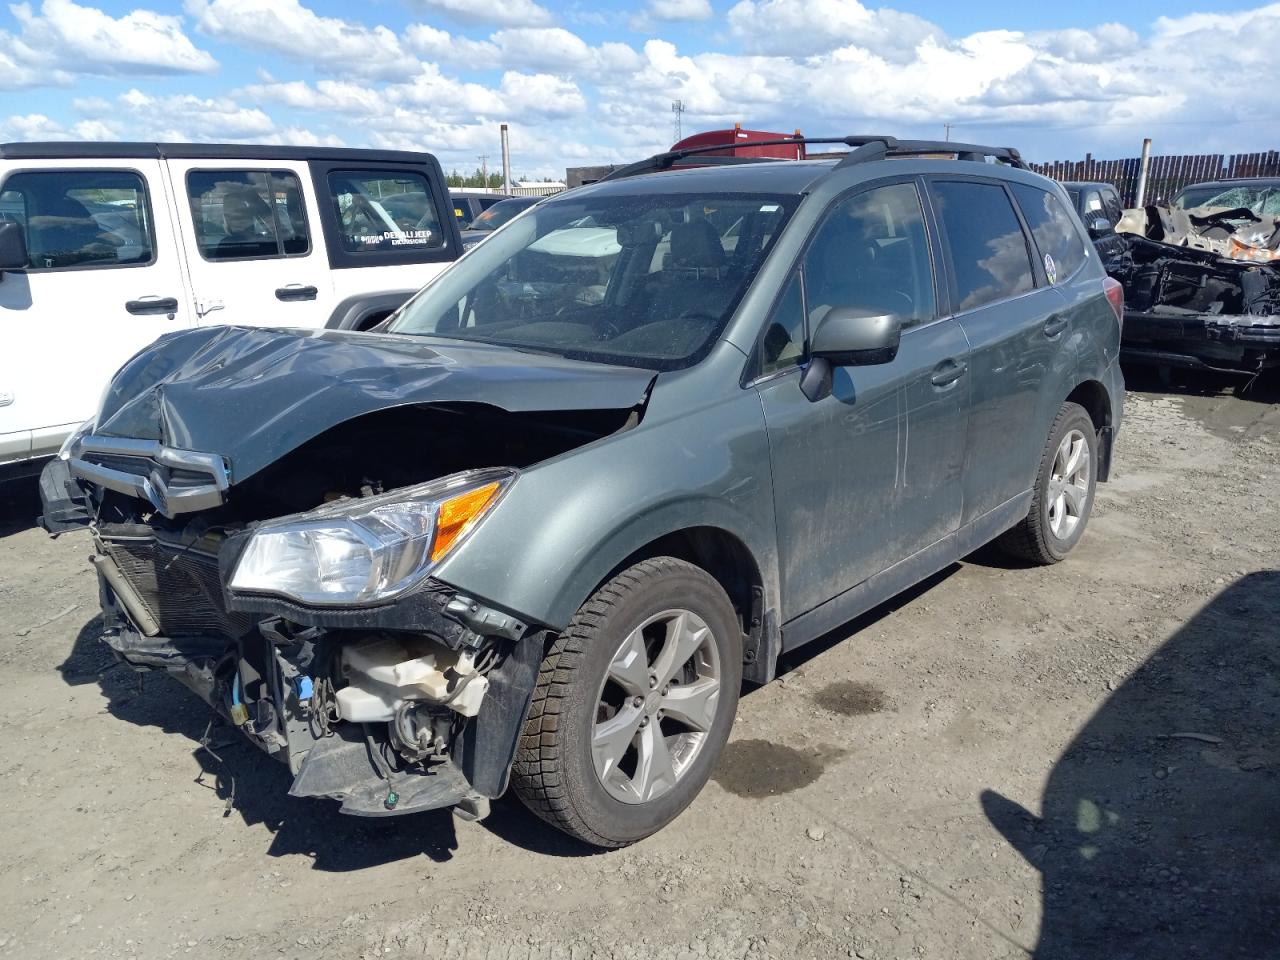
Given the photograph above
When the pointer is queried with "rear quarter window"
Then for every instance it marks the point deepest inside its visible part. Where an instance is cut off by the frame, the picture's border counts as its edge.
(384, 211)
(989, 254)
(1057, 239)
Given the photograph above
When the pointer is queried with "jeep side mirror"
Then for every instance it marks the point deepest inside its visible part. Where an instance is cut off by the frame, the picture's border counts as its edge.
(1100, 227)
(850, 337)
(13, 247)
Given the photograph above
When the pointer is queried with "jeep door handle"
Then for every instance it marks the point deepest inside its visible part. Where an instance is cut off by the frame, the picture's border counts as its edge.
(149, 305)
(1055, 325)
(948, 372)
(294, 292)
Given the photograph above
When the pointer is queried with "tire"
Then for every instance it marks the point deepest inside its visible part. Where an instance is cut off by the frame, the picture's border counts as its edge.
(588, 697)
(1038, 538)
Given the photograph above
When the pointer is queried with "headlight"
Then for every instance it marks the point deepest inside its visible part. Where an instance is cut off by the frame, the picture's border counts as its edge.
(367, 550)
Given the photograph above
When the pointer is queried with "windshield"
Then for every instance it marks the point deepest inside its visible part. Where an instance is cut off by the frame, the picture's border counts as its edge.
(1261, 200)
(501, 213)
(645, 280)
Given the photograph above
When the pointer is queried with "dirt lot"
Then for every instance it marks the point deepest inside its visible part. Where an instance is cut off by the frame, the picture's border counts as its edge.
(1081, 761)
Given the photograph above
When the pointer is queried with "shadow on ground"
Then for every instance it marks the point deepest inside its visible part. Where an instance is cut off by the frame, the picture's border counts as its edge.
(1160, 834)
(19, 505)
(257, 786)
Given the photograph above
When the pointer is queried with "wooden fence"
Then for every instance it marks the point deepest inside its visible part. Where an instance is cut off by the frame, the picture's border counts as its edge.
(1166, 175)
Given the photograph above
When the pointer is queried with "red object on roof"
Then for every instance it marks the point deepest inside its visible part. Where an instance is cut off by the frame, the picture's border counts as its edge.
(735, 135)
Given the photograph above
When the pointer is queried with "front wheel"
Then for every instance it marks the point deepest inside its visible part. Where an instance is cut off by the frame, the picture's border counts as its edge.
(1063, 495)
(633, 705)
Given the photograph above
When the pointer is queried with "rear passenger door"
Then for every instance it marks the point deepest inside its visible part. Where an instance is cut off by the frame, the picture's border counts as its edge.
(871, 474)
(1018, 326)
(254, 253)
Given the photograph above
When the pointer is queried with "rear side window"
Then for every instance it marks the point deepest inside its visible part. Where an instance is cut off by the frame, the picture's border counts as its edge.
(379, 211)
(248, 214)
(1056, 236)
(81, 218)
(988, 248)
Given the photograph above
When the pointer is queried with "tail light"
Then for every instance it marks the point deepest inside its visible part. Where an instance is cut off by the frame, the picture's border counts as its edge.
(1115, 297)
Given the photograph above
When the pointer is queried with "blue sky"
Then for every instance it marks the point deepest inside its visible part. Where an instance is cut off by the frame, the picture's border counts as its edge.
(587, 82)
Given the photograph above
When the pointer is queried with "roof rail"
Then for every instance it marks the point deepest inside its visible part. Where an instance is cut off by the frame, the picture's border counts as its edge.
(863, 149)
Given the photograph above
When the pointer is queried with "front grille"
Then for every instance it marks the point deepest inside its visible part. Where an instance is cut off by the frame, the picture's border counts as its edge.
(180, 589)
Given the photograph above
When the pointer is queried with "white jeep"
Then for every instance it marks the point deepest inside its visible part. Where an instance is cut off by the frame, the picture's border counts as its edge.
(106, 246)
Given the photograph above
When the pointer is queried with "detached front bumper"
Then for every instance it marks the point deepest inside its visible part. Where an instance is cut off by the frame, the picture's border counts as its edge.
(1240, 344)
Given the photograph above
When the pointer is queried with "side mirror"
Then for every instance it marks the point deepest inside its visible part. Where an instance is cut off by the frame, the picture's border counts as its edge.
(13, 246)
(849, 337)
(1100, 227)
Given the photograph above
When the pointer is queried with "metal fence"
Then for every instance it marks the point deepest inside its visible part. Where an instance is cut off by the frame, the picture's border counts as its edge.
(1167, 174)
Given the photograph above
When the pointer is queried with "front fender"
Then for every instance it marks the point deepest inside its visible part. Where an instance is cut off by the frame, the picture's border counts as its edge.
(567, 523)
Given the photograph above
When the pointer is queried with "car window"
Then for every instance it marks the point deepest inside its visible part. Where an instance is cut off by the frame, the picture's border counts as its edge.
(384, 210)
(988, 248)
(783, 343)
(463, 212)
(1221, 196)
(81, 218)
(639, 279)
(1111, 206)
(247, 214)
(871, 252)
(499, 213)
(1059, 242)
(1092, 202)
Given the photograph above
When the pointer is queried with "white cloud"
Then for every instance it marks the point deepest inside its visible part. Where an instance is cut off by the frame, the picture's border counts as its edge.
(37, 126)
(287, 28)
(535, 48)
(804, 28)
(680, 9)
(187, 117)
(337, 96)
(64, 38)
(506, 13)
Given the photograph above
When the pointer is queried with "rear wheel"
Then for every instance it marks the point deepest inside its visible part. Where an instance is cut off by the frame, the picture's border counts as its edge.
(1063, 495)
(633, 705)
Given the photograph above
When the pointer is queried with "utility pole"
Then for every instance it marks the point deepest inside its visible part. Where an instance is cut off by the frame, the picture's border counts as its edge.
(947, 127)
(484, 169)
(1143, 171)
(677, 107)
(506, 161)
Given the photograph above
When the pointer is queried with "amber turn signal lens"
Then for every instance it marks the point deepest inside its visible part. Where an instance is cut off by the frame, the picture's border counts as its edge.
(457, 514)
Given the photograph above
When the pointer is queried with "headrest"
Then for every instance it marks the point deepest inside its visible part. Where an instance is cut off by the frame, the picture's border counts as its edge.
(696, 244)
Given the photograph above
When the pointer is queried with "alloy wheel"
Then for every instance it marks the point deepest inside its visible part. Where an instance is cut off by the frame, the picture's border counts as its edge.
(1068, 496)
(656, 705)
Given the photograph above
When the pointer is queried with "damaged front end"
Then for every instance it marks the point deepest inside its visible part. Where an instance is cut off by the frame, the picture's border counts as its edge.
(299, 600)
(1237, 233)
(1193, 309)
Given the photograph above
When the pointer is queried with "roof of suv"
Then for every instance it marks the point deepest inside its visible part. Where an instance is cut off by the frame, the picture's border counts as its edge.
(690, 167)
(58, 150)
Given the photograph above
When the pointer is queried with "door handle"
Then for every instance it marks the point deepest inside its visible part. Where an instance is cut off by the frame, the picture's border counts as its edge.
(150, 305)
(948, 372)
(295, 292)
(1055, 325)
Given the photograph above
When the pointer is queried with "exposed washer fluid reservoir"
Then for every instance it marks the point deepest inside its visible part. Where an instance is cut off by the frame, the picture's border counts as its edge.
(384, 672)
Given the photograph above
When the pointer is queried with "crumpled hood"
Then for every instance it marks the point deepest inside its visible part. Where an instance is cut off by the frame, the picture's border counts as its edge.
(253, 394)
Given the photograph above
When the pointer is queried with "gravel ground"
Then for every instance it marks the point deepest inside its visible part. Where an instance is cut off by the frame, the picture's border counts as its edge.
(1081, 761)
